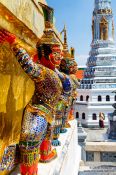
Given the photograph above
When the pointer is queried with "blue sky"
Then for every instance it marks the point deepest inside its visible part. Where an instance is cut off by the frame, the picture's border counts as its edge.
(77, 15)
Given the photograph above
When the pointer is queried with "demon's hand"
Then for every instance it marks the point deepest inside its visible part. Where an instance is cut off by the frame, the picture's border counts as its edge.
(6, 36)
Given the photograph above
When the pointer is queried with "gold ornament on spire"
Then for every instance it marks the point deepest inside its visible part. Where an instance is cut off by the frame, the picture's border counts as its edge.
(103, 29)
(113, 29)
(65, 45)
(66, 53)
(68, 64)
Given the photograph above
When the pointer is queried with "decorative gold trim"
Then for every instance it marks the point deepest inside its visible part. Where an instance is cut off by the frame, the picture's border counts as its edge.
(48, 25)
(9, 22)
(106, 11)
(103, 29)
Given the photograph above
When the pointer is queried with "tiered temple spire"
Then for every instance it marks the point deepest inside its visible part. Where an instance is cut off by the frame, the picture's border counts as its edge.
(65, 45)
(100, 75)
(66, 52)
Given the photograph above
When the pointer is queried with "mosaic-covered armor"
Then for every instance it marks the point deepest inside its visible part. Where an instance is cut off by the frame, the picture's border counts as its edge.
(66, 103)
(69, 67)
(60, 112)
(39, 113)
(75, 85)
(51, 61)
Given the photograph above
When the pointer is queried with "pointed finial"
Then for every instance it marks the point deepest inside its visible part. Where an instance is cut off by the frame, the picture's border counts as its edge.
(65, 45)
(64, 26)
(48, 15)
(66, 53)
(49, 37)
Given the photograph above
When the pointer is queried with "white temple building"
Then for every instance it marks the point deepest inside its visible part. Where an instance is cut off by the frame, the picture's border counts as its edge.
(95, 93)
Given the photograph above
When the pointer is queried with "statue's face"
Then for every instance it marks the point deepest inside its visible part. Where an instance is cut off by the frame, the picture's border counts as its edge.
(56, 56)
(49, 55)
(73, 68)
(68, 66)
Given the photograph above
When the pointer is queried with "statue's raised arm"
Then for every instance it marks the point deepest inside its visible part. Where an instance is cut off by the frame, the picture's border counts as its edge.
(31, 68)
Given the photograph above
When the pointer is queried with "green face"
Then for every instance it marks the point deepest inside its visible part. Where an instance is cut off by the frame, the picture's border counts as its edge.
(68, 66)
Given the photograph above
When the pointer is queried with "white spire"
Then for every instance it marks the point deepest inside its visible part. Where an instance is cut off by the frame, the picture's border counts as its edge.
(102, 4)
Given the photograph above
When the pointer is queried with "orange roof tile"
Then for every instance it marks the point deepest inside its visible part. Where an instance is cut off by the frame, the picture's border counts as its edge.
(80, 74)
